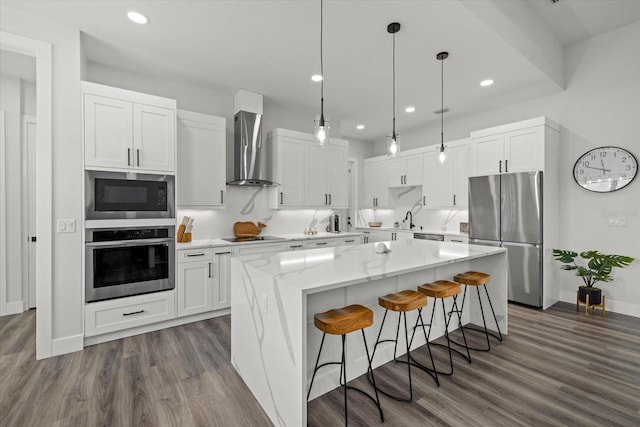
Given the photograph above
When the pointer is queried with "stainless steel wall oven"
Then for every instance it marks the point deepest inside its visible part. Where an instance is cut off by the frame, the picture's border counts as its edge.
(128, 261)
(128, 195)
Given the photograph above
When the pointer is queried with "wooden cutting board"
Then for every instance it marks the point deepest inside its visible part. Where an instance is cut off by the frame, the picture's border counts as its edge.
(247, 228)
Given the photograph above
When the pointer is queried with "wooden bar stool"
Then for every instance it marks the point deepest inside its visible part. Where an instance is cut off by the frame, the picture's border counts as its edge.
(341, 321)
(441, 289)
(402, 302)
(477, 279)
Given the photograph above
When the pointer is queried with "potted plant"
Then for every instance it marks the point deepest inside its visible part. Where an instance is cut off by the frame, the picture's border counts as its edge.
(598, 269)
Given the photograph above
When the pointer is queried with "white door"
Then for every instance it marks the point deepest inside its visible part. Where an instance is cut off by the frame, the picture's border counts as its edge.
(201, 173)
(415, 167)
(108, 132)
(195, 287)
(438, 181)
(461, 157)
(154, 138)
(488, 155)
(396, 170)
(524, 150)
(316, 175)
(29, 138)
(290, 161)
(337, 177)
(222, 279)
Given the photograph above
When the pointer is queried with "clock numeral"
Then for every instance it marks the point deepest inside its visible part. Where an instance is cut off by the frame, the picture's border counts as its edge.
(603, 154)
(585, 163)
(628, 167)
(624, 160)
(593, 157)
(581, 171)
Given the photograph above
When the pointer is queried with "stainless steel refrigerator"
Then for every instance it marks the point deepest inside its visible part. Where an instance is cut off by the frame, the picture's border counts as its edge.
(506, 210)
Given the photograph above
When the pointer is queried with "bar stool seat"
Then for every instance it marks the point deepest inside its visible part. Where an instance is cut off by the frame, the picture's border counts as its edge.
(341, 321)
(403, 302)
(478, 279)
(472, 278)
(441, 289)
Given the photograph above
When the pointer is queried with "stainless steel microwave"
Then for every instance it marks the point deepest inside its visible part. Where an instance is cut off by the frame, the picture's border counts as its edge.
(128, 195)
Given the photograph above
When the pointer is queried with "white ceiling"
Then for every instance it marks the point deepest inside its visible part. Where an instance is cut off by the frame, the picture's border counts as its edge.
(272, 47)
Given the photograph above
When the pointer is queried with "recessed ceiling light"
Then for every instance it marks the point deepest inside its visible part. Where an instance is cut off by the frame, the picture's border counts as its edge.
(360, 127)
(486, 83)
(137, 17)
(410, 109)
(316, 78)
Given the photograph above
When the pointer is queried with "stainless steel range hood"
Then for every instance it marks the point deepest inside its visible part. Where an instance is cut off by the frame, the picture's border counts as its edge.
(251, 163)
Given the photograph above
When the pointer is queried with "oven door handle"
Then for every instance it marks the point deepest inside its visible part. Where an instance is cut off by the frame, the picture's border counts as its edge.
(127, 243)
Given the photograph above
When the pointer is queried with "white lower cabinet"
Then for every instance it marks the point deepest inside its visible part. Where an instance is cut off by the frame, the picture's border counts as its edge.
(195, 281)
(203, 280)
(117, 314)
(259, 248)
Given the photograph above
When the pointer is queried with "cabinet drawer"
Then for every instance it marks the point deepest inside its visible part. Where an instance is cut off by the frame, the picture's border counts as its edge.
(123, 313)
(189, 255)
(457, 239)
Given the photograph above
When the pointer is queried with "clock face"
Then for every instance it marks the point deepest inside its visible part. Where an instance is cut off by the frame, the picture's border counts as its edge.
(605, 169)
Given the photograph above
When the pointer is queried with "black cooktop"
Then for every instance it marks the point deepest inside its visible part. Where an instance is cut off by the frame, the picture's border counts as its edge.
(251, 239)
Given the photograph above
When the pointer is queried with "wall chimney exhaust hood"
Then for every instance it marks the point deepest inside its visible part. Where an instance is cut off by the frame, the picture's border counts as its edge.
(248, 155)
(251, 155)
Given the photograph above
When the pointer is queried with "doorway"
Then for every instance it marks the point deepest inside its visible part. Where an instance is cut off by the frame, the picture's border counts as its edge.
(43, 270)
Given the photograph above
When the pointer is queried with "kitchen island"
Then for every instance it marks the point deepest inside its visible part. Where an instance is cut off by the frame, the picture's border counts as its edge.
(274, 297)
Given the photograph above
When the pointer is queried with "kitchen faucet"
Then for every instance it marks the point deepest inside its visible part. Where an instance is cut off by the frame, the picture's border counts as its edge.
(410, 216)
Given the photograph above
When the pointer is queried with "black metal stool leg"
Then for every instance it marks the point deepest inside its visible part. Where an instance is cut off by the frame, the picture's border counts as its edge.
(315, 369)
(458, 312)
(493, 312)
(343, 369)
(484, 322)
(375, 389)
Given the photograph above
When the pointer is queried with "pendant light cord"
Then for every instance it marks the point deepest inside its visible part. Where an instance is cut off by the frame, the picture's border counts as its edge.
(394, 87)
(321, 65)
(442, 104)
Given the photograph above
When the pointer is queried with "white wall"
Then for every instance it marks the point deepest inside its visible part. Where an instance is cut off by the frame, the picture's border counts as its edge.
(599, 107)
(66, 168)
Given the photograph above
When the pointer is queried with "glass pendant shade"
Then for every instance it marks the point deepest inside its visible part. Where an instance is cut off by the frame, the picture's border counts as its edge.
(322, 130)
(442, 156)
(393, 144)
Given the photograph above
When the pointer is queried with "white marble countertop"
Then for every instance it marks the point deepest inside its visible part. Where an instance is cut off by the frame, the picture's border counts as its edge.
(315, 270)
(204, 243)
(416, 230)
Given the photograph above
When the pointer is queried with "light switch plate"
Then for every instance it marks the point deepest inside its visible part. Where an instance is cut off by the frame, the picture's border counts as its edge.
(66, 226)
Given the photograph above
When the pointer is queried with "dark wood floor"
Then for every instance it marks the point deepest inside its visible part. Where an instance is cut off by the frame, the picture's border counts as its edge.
(554, 368)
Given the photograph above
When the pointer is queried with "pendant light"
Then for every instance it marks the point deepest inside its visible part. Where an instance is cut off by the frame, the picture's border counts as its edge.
(441, 57)
(321, 124)
(393, 140)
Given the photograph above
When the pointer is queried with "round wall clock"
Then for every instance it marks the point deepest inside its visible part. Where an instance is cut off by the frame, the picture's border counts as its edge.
(605, 169)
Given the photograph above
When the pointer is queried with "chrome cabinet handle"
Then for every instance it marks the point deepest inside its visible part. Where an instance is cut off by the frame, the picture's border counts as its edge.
(222, 196)
(321, 244)
(500, 166)
(281, 198)
(223, 253)
(138, 152)
(128, 156)
(209, 269)
(424, 200)
(329, 198)
(133, 312)
(349, 241)
(506, 165)
(190, 255)
(454, 200)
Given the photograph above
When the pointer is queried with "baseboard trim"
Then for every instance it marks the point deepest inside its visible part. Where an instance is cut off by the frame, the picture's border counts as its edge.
(613, 306)
(15, 307)
(67, 345)
(98, 339)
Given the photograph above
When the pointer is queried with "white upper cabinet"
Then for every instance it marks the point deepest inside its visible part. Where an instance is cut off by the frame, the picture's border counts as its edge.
(515, 147)
(376, 185)
(445, 184)
(201, 160)
(405, 170)
(289, 171)
(309, 175)
(128, 130)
